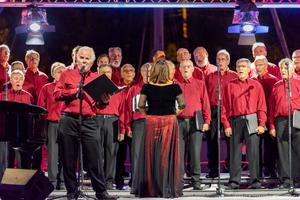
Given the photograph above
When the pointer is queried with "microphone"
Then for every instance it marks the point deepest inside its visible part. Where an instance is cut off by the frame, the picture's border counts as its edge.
(82, 68)
(287, 64)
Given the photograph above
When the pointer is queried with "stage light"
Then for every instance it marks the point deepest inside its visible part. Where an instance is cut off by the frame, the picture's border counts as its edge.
(35, 27)
(245, 22)
(34, 23)
(248, 28)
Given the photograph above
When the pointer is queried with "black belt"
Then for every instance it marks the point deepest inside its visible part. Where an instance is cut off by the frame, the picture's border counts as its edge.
(53, 121)
(107, 116)
(186, 118)
(239, 117)
(76, 116)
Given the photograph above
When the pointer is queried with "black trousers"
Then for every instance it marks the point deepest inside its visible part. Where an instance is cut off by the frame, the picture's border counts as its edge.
(282, 136)
(138, 129)
(190, 141)
(239, 135)
(212, 143)
(69, 131)
(109, 131)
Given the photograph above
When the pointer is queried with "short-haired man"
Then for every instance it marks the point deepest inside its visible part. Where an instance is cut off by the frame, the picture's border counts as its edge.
(278, 117)
(260, 49)
(46, 100)
(296, 60)
(267, 81)
(34, 78)
(202, 62)
(115, 57)
(196, 97)
(226, 75)
(244, 106)
(70, 128)
(4, 66)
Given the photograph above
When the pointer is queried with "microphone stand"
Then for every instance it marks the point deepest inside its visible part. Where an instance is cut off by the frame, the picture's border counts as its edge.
(219, 190)
(80, 170)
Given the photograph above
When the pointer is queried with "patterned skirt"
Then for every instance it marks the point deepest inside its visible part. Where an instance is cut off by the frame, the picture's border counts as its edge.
(158, 166)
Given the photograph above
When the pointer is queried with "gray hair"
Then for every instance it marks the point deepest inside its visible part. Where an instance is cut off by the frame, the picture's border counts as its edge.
(263, 58)
(258, 44)
(17, 71)
(225, 52)
(243, 60)
(189, 62)
(286, 61)
(296, 51)
(86, 48)
(31, 52)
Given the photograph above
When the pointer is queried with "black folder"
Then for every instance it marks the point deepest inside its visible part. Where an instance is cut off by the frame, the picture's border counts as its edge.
(296, 119)
(99, 86)
(252, 123)
(199, 120)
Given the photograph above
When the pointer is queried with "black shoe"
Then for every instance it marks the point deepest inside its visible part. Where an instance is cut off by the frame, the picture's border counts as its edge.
(255, 185)
(105, 196)
(233, 186)
(197, 186)
(119, 187)
(109, 186)
(284, 185)
(72, 196)
(212, 175)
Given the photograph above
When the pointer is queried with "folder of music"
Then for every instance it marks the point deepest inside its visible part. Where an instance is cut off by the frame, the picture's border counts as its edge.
(99, 86)
(252, 123)
(296, 119)
(199, 120)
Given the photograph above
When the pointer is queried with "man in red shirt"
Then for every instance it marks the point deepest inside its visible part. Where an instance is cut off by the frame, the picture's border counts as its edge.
(268, 159)
(135, 121)
(278, 117)
(46, 100)
(74, 124)
(4, 78)
(196, 99)
(127, 74)
(244, 117)
(115, 58)
(17, 94)
(73, 55)
(226, 75)
(107, 119)
(34, 78)
(202, 63)
(260, 49)
(296, 60)
(182, 55)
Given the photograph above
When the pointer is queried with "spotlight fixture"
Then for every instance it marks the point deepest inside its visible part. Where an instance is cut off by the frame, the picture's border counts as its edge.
(245, 22)
(34, 23)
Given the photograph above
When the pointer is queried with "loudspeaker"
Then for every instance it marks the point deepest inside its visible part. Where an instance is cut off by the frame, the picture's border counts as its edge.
(24, 184)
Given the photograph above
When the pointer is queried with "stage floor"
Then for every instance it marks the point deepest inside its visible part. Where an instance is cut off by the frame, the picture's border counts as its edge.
(210, 192)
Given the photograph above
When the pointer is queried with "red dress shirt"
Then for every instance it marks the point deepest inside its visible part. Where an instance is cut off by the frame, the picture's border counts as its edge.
(46, 100)
(196, 99)
(3, 75)
(279, 99)
(212, 84)
(130, 115)
(21, 96)
(34, 82)
(197, 73)
(242, 98)
(116, 76)
(66, 90)
(208, 69)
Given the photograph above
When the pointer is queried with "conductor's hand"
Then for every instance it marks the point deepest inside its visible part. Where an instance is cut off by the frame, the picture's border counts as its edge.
(273, 132)
(260, 130)
(205, 127)
(121, 137)
(228, 132)
(105, 98)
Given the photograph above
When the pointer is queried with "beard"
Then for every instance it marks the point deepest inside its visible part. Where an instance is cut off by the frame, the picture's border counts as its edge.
(116, 63)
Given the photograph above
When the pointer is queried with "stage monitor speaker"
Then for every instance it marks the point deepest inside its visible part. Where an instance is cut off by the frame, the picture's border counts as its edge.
(24, 184)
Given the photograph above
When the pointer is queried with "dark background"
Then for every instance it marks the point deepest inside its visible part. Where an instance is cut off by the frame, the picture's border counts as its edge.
(103, 28)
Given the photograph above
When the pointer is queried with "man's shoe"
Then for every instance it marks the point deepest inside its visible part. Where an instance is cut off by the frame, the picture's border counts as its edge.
(72, 196)
(255, 185)
(284, 185)
(212, 175)
(109, 186)
(197, 186)
(119, 187)
(105, 196)
(233, 186)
